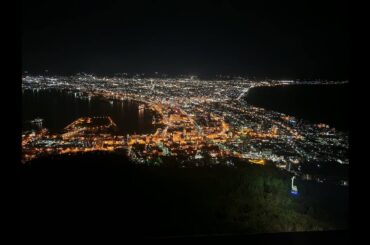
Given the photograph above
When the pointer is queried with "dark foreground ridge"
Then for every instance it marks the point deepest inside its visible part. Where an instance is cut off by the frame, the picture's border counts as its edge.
(100, 193)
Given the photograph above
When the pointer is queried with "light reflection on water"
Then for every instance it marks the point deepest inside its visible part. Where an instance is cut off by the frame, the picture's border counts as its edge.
(58, 109)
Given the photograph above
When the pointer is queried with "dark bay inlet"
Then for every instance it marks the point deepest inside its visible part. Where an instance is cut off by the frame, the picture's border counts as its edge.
(58, 109)
(315, 103)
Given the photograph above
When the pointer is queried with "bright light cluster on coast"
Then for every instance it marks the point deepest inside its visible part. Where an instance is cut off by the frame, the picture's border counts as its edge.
(197, 122)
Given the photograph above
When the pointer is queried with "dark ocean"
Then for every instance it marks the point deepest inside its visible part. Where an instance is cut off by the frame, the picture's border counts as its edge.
(58, 109)
(315, 103)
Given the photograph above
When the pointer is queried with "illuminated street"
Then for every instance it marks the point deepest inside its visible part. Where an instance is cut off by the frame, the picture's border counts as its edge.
(195, 120)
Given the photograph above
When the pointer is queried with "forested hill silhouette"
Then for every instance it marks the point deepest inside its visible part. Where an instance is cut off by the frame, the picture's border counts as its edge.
(99, 193)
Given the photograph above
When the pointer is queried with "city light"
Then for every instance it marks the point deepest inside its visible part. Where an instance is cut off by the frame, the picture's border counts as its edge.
(192, 118)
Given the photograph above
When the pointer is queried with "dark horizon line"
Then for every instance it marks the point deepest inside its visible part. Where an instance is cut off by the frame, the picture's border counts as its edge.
(169, 75)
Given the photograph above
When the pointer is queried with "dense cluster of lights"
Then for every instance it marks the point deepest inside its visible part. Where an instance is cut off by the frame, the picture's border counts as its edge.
(194, 118)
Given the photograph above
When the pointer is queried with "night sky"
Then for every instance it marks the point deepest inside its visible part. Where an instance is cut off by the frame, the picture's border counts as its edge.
(274, 39)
